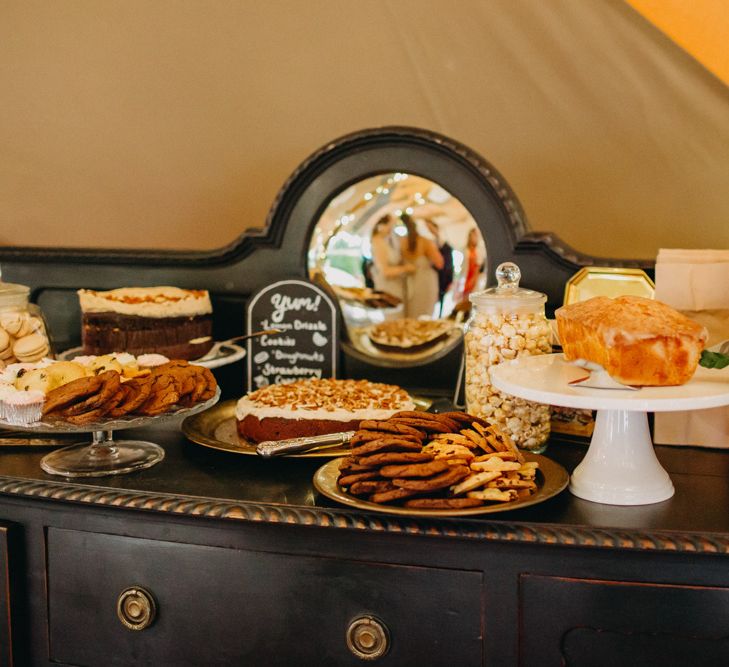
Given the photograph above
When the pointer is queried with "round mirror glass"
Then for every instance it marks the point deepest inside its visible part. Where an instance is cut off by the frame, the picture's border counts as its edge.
(402, 255)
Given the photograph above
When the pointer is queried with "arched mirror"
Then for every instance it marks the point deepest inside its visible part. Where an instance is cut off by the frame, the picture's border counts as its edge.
(402, 254)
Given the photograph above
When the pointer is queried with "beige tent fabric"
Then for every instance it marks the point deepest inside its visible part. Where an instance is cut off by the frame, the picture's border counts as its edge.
(173, 124)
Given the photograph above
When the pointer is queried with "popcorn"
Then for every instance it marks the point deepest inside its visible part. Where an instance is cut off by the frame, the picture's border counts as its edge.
(492, 338)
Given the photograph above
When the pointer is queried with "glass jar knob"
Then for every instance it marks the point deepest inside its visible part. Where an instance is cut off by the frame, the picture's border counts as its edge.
(508, 276)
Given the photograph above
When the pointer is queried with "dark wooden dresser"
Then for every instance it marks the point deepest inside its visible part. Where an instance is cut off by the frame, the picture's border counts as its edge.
(230, 560)
(213, 558)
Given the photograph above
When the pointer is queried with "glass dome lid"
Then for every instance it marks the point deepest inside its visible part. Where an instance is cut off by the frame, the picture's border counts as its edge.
(507, 295)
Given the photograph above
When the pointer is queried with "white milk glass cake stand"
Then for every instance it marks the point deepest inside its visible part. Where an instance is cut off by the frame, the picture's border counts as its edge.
(105, 455)
(620, 467)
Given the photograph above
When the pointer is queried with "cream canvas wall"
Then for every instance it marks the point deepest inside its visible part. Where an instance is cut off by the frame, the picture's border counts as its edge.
(174, 123)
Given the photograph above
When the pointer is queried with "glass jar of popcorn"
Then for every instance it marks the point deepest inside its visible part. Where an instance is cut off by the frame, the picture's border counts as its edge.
(507, 322)
(23, 333)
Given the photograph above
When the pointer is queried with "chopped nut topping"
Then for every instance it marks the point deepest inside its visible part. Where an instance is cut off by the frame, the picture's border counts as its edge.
(330, 394)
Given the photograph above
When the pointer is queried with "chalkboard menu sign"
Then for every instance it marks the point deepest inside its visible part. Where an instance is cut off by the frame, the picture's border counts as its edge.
(308, 344)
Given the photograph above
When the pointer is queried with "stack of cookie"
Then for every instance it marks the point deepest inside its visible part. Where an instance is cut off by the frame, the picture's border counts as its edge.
(108, 395)
(449, 460)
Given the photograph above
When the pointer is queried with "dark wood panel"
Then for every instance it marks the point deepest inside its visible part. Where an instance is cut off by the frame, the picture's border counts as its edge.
(220, 606)
(6, 595)
(594, 623)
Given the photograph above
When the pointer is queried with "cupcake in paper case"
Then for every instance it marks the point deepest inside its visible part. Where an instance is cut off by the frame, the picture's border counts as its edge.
(20, 407)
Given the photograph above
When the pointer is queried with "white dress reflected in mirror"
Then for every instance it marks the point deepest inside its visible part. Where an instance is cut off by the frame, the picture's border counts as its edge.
(421, 289)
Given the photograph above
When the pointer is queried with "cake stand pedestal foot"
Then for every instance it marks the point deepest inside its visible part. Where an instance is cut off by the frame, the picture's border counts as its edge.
(103, 456)
(620, 467)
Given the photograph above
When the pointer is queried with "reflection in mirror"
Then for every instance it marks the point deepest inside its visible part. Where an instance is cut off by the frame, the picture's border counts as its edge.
(403, 255)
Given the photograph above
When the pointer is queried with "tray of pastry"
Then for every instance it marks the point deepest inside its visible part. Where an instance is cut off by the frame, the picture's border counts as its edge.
(56, 426)
(449, 464)
(65, 397)
(550, 479)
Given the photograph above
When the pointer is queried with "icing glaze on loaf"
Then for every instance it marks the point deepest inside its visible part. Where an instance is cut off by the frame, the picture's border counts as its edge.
(638, 341)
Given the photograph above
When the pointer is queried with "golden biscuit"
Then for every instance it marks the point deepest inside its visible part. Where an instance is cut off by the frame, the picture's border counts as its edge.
(71, 392)
(414, 469)
(451, 476)
(387, 444)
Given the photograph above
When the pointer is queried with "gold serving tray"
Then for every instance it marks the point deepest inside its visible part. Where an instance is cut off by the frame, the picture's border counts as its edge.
(592, 281)
(216, 428)
(552, 478)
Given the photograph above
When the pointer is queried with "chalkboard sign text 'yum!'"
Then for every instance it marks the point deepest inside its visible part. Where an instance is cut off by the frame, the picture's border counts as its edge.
(308, 344)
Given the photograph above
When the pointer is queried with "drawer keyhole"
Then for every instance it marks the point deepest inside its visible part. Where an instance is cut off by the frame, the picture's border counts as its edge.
(136, 608)
(368, 638)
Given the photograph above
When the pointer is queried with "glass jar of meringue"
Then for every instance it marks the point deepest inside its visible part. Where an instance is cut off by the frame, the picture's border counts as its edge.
(23, 332)
(507, 322)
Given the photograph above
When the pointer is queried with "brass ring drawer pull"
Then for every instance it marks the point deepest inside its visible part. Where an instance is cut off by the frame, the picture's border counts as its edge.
(136, 608)
(368, 638)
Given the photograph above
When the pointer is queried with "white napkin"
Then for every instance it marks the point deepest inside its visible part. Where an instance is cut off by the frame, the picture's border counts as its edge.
(696, 282)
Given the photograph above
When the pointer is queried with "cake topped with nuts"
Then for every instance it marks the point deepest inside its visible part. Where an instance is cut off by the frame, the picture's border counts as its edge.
(408, 334)
(314, 407)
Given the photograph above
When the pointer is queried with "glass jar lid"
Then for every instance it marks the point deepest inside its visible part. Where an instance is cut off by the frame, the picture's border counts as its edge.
(13, 295)
(507, 295)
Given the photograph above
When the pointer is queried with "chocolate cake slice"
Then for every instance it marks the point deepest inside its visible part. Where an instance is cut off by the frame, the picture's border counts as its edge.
(140, 320)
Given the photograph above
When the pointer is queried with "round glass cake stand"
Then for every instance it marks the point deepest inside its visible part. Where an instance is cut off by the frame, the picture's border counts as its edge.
(104, 455)
(620, 467)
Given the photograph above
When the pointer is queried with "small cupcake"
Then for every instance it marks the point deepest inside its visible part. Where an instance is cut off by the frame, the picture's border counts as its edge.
(20, 407)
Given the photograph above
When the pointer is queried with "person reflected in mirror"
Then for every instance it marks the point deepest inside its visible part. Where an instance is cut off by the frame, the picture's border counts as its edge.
(473, 264)
(388, 271)
(445, 273)
(422, 284)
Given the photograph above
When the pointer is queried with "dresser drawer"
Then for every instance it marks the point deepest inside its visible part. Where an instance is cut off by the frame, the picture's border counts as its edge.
(219, 606)
(596, 623)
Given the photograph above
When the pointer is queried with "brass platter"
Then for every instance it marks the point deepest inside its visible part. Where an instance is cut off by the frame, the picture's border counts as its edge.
(609, 281)
(552, 478)
(216, 428)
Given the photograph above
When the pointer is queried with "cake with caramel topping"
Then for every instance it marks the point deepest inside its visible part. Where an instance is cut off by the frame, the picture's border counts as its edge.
(174, 322)
(315, 407)
(637, 341)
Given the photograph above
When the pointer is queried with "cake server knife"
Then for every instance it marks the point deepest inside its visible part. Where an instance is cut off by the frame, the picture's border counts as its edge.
(270, 448)
(597, 378)
(213, 351)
